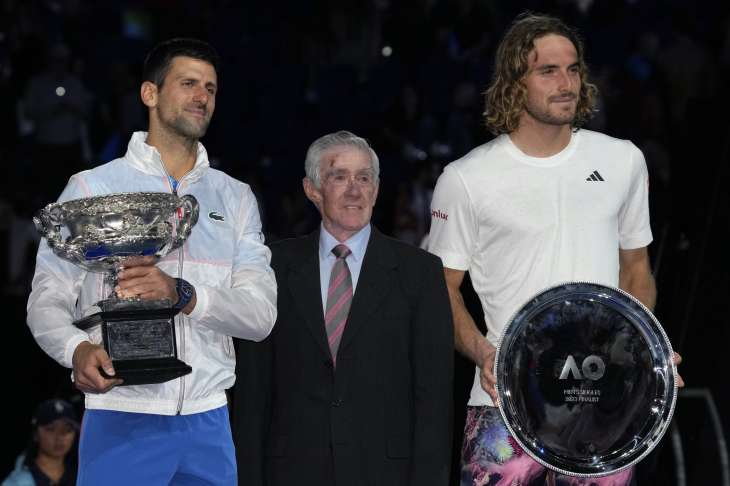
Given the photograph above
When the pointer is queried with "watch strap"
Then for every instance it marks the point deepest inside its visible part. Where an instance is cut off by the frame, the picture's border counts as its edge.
(185, 293)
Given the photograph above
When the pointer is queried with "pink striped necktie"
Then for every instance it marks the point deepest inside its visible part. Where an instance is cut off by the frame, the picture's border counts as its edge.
(339, 298)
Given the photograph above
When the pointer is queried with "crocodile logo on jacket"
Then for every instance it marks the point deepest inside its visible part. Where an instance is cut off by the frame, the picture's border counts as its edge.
(216, 216)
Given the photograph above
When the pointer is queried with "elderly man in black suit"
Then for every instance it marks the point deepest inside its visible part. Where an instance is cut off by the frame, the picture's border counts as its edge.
(354, 385)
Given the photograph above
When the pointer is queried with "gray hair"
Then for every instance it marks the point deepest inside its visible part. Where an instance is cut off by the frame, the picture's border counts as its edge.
(342, 138)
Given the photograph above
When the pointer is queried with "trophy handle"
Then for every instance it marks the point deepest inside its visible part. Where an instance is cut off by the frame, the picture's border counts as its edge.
(190, 209)
(46, 228)
(51, 231)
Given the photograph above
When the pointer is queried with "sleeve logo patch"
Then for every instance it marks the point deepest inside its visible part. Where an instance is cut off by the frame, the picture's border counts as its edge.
(435, 213)
(215, 216)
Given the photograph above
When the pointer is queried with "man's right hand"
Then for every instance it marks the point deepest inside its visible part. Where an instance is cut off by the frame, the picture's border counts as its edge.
(467, 337)
(487, 353)
(88, 360)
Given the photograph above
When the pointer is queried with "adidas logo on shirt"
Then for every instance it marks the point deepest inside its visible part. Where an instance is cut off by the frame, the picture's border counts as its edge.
(595, 177)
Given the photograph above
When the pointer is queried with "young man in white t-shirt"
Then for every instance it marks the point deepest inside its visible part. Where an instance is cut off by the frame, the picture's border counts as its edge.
(542, 203)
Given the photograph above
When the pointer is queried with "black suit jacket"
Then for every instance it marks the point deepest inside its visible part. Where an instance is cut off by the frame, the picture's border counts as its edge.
(384, 416)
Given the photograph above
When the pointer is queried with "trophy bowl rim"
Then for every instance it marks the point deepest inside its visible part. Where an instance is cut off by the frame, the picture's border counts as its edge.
(658, 428)
(56, 215)
(110, 196)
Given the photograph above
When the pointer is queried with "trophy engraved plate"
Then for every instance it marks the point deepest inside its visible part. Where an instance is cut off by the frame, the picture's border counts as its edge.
(585, 378)
(146, 338)
(98, 234)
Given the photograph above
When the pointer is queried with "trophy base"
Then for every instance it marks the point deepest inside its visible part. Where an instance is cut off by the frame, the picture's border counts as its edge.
(140, 342)
(148, 371)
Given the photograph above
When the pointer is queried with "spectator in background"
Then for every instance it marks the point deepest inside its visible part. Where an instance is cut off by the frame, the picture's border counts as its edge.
(58, 105)
(413, 204)
(120, 113)
(49, 458)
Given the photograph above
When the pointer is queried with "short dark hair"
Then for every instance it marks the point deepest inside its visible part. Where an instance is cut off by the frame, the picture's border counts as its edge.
(157, 63)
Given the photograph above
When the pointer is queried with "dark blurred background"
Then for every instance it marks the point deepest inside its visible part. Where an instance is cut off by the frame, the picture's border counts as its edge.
(408, 75)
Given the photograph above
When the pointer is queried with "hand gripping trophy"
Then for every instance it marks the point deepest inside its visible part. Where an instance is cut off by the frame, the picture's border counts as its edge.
(99, 234)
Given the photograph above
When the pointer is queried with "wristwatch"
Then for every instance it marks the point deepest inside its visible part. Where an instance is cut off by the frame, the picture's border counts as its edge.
(185, 293)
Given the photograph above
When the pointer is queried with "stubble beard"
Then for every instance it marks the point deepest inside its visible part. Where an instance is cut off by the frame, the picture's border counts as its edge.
(545, 116)
(184, 128)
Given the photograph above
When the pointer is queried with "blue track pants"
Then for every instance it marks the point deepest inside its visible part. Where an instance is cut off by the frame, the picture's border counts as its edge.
(121, 448)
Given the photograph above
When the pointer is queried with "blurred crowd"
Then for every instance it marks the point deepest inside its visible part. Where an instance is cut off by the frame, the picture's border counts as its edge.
(408, 75)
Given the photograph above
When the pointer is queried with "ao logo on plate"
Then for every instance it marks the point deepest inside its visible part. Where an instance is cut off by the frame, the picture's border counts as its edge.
(593, 368)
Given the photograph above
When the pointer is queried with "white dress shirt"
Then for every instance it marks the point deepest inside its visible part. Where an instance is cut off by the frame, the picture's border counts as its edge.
(357, 244)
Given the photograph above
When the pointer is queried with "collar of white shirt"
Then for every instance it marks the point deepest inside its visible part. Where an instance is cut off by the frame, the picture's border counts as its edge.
(357, 244)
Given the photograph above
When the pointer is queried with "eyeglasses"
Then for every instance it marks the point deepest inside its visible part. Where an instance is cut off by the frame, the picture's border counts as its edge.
(339, 178)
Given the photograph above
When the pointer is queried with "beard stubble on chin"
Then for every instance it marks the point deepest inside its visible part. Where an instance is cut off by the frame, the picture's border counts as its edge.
(544, 115)
(188, 130)
(548, 118)
(176, 123)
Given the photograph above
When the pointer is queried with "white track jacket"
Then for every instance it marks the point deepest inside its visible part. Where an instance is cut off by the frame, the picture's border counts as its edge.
(224, 258)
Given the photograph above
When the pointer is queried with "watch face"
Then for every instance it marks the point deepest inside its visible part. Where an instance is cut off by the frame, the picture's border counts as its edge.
(186, 289)
(585, 379)
(184, 292)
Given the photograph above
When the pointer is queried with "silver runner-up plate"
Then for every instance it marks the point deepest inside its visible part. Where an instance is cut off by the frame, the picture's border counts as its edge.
(585, 378)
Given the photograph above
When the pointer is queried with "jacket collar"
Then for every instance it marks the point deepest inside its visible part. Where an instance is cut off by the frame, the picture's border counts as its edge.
(146, 158)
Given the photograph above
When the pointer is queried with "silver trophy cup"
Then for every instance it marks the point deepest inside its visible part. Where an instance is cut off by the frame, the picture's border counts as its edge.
(585, 379)
(99, 234)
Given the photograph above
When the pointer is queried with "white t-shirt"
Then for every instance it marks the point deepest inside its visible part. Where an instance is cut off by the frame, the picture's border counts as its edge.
(519, 224)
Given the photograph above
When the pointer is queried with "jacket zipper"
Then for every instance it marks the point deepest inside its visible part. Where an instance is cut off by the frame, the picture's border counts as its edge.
(180, 315)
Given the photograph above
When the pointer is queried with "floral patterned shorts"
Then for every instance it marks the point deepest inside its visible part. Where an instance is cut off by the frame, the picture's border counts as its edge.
(491, 457)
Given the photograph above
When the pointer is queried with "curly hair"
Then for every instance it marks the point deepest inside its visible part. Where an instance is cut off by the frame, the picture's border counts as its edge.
(505, 98)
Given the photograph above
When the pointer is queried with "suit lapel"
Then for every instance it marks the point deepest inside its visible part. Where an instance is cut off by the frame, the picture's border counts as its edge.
(374, 283)
(304, 287)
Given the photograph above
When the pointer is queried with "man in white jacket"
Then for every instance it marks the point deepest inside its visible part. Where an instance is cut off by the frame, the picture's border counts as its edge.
(177, 431)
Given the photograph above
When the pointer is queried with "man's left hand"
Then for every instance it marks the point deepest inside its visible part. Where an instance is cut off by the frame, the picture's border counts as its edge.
(140, 277)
